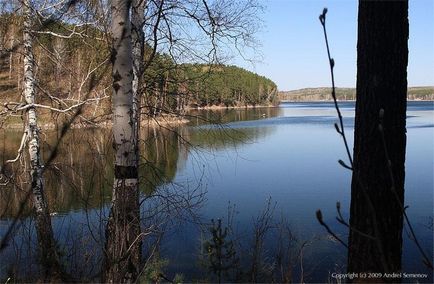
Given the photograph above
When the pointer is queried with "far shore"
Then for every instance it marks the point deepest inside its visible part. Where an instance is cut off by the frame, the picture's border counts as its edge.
(339, 101)
(417, 93)
(317, 101)
(173, 120)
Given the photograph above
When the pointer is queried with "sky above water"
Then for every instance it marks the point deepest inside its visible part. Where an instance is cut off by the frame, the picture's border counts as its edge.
(293, 52)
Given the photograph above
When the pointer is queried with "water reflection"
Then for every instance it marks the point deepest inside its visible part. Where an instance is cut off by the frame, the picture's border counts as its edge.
(288, 153)
(80, 176)
(76, 178)
(223, 116)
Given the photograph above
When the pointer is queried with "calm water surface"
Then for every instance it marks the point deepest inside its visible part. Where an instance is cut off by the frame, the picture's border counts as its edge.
(287, 155)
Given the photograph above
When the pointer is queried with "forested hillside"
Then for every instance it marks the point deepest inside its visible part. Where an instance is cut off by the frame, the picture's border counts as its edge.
(227, 86)
(70, 71)
(76, 69)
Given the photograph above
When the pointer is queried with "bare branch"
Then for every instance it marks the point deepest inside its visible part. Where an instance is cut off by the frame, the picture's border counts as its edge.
(20, 150)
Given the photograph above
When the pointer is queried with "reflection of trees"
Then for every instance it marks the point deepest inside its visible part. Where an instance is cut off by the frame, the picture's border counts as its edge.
(160, 158)
(80, 177)
(200, 117)
(13, 189)
(77, 176)
(226, 137)
(221, 135)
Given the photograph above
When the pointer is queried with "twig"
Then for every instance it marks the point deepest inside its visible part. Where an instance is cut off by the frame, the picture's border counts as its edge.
(21, 107)
(301, 262)
(340, 130)
(341, 220)
(321, 221)
(20, 150)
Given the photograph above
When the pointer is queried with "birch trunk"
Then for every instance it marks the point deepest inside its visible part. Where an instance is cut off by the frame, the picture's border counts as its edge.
(47, 249)
(138, 46)
(138, 41)
(122, 251)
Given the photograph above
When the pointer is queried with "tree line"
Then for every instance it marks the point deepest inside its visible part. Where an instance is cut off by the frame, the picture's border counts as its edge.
(348, 94)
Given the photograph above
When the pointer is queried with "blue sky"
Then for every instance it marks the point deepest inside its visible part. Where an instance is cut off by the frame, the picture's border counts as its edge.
(293, 49)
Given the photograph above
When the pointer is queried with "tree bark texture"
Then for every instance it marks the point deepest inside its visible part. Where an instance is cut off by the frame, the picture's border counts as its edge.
(46, 244)
(138, 45)
(138, 41)
(123, 245)
(377, 189)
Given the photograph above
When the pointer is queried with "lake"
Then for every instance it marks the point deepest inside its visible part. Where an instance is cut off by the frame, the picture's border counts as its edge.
(266, 166)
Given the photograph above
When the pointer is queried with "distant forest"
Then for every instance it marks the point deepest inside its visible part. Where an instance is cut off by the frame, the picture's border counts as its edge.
(227, 86)
(347, 94)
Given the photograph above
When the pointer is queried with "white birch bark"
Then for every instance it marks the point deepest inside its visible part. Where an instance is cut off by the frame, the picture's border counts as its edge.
(123, 245)
(137, 39)
(122, 96)
(138, 44)
(11, 58)
(49, 259)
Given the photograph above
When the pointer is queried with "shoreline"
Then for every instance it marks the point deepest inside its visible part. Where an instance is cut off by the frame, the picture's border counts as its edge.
(160, 121)
(216, 107)
(340, 101)
(172, 120)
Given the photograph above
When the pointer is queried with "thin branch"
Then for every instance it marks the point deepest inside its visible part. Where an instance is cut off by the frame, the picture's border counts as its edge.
(340, 130)
(321, 221)
(73, 32)
(155, 35)
(20, 150)
(20, 107)
(341, 220)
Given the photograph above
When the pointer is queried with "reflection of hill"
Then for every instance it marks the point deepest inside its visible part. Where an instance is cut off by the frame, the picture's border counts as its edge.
(219, 138)
(219, 116)
(230, 132)
(81, 175)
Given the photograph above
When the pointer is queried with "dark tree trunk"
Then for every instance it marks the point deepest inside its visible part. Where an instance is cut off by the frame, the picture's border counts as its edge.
(376, 197)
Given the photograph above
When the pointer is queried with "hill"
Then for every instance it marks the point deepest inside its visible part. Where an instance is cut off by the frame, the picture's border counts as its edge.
(347, 94)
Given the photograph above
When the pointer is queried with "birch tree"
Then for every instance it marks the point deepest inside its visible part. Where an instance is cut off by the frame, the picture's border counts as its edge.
(49, 258)
(185, 30)
(138, 47)
(37, 17)
(122, 249)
